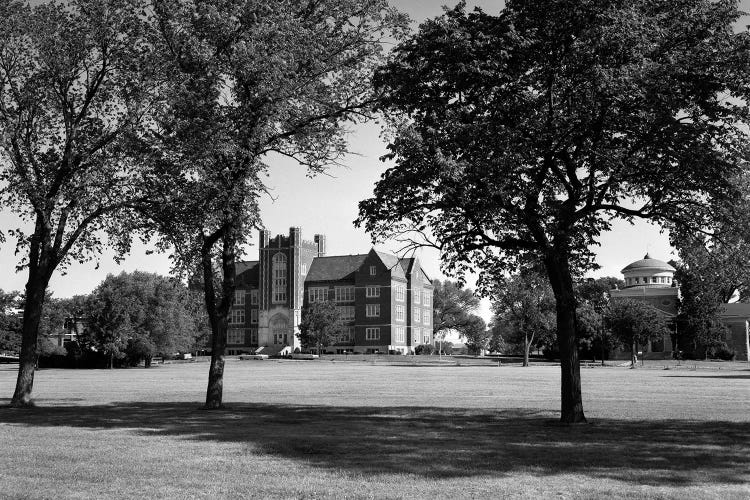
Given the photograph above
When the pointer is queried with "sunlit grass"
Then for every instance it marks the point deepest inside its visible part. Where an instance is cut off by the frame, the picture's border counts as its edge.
(344, 429)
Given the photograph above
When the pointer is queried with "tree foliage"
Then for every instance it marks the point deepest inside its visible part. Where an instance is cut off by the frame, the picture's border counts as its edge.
(476, 335)
(518, 137)
(635, 323)
(140, 313)
(321, 325)
(75, 79)
(249, 80)
(10, 322)
(452, 305)
(525, 304)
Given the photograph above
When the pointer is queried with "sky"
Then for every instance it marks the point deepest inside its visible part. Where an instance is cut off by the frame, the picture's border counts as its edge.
(327, 204)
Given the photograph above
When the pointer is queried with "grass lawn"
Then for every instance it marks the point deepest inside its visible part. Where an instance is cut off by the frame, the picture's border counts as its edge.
(325, 429)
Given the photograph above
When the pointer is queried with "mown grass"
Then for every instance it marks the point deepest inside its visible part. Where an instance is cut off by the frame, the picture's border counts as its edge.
(356, 430)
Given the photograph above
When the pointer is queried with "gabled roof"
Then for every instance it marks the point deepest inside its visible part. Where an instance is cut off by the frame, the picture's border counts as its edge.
(247, 271)
(334, 268)
(392, 263)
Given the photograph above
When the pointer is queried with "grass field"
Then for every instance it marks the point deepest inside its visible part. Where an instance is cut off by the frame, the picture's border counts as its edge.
(327, 429)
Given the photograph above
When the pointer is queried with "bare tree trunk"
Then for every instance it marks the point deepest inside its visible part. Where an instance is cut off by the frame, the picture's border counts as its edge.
(526, 347)
(41, 265)
(633, 355)
(571, 402)
(218, 313)
(32, 314)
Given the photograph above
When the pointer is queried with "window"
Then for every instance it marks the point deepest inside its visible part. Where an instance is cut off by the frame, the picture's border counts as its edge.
(415, 334)
(400, 334)
(372, 333)
(372, 291)
(346, 313)
(400, 292)
(426, 337)
(344, 293)
(637, 280)
(417, 295)
(417, 315)
(373, 310)
(400, 316)
(279, 272)
(426, 316)
(427, 298)
(254, 316)
(235, 336)
(254, 336)
(239, 297)
(317, 294)
(253, 297)
(237, 317)
(303, 270)
(654, 280)
(347, 334)
(373, 270)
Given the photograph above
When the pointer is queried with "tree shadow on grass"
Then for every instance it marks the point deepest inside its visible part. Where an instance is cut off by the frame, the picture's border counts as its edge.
(436, 442)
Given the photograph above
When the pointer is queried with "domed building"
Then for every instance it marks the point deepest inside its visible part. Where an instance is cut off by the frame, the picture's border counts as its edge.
(652, 281)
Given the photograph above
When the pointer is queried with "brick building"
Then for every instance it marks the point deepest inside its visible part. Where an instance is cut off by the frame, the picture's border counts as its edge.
(385, 301)
(652, 281)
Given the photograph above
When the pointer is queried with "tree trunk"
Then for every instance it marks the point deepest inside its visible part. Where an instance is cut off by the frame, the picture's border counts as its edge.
(41, 265)
(218, 314)
(558, 270)
(633, 355)
(526, 347)
(32, 314)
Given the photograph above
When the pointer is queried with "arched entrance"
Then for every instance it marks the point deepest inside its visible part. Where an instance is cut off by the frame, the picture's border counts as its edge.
(280, 330)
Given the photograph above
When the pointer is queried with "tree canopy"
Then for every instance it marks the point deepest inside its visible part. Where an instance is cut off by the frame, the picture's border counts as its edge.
(75, 79)
(321, 325)
(635, 323)
(518, 137)
(452, 305)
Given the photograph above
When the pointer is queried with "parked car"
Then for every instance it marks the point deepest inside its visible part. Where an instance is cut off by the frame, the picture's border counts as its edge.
(253, 356)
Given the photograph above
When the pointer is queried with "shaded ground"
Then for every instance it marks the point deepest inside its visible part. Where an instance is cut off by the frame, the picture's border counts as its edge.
(327, 430)
(436, 442)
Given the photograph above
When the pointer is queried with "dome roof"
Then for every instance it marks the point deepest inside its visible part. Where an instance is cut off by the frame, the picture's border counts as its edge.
(648, 263)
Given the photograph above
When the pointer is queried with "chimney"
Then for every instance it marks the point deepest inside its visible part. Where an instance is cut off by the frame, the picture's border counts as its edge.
(320, 240)
(264, 235)
(294, 236)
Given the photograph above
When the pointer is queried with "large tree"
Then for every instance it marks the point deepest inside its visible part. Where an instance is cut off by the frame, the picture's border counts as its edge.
(524, 302)
(74, 79)
(635, 323)
(321, 325)
(476, 335)
(142, 310)
(452, 307)
(250, 80)
(518, 137)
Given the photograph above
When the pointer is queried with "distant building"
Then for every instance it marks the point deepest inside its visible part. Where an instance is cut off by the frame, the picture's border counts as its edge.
(652, 281)
(385, 301)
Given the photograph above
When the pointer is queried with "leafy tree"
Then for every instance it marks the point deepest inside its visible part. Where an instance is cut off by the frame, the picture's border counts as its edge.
(140, 348)
(249, 80)
(635, 323)
(321, 325)
(593, 300)
(452, 305)
(10, 322)
(74, 80)
(156, 313)
(518, 138)
(476, 335)
(424, 349)
(526, 304)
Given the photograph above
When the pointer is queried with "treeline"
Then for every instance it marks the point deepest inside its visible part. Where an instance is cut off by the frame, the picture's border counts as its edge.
(128, 319)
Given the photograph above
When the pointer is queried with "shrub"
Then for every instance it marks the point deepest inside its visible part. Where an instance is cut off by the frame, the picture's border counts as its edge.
(424, 349)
